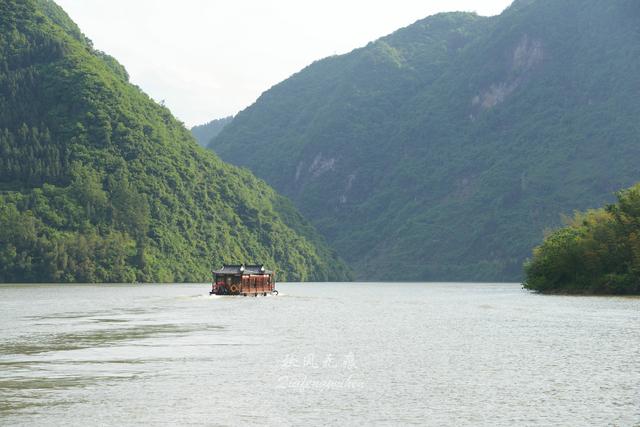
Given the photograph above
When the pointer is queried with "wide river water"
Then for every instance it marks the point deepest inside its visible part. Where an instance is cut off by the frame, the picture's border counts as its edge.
(324, 353)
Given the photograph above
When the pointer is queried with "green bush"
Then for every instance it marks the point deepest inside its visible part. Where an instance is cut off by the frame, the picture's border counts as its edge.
(598, 252)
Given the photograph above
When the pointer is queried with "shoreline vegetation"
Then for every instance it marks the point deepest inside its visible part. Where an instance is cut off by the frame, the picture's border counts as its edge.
(597, 253)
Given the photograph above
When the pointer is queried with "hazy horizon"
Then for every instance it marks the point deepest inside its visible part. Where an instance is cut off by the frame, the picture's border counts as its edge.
(204, 60)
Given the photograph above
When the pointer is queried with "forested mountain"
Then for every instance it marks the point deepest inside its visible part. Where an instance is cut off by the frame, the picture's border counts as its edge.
(442, 151)
(99, 183)
(206, 132)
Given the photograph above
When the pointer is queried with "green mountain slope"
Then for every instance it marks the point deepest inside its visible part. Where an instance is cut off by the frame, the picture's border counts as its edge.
(442, 151)
(99, 183)
(206, 132)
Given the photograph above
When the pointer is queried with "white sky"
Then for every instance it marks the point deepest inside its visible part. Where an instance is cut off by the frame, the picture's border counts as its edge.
(212, 58)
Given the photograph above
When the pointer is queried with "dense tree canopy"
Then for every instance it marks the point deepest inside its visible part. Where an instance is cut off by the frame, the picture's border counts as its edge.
(98, 183)
(598, 252)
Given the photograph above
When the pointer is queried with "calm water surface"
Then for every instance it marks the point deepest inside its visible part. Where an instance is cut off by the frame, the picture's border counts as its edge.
(385, 354)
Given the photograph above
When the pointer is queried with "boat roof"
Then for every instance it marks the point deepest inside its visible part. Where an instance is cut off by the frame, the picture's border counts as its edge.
(243, 269)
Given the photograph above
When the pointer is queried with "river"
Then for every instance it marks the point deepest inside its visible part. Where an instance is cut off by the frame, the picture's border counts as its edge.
(324, 353)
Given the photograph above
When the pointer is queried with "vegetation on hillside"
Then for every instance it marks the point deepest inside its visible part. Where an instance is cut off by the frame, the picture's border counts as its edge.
(598, 252)
(100, 184)
(442, 151)
(206, 132)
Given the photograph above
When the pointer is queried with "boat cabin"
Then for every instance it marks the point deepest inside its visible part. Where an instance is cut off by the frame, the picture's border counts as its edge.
(241, 279)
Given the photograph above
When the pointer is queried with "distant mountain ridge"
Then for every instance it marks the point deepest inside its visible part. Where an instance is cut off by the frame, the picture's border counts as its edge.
(98, 183)
(442, 151)
(206, 132)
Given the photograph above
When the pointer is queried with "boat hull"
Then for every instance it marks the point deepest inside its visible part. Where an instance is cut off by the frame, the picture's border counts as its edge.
(244, 288)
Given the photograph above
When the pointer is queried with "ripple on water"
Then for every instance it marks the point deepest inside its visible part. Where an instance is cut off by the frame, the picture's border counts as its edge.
(427, 354)
(65, 341)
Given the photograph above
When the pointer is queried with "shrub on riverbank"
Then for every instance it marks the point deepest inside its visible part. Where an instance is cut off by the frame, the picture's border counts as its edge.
(598, 252)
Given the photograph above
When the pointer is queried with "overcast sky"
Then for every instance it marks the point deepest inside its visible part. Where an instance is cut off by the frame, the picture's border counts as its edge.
(212, 58)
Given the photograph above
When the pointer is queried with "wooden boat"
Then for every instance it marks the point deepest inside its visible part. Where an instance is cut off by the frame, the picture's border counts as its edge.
(241, 279)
